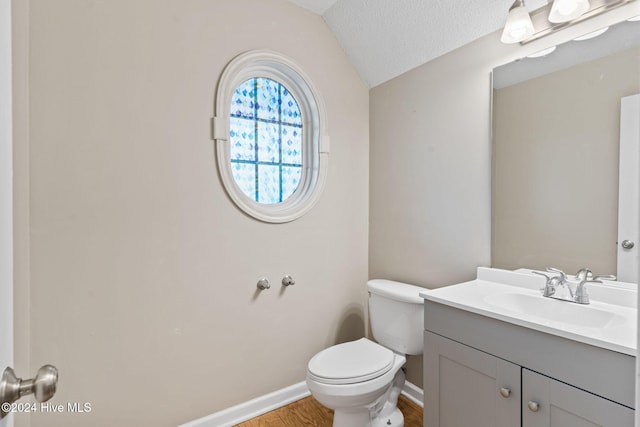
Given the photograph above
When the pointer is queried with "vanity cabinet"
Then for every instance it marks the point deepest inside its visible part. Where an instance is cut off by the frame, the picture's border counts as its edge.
(467, 387)
(483, 372)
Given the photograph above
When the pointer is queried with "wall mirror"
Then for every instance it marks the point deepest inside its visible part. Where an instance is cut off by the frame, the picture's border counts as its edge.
(556, 125)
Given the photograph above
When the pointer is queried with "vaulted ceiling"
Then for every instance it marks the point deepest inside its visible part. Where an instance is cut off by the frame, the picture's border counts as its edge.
(385, 38)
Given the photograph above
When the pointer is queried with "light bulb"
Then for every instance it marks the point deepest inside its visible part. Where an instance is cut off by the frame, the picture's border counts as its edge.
(568, 10)
(518, 26)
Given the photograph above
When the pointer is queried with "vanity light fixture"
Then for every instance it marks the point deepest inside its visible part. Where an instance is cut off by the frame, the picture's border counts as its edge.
(524, 27)
(518, 26)
(568, 10)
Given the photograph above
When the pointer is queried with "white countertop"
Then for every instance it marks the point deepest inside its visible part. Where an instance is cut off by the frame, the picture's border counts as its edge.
(609, 321)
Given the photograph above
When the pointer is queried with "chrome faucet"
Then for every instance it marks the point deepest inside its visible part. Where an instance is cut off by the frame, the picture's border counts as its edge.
(554, 282)
(560, 279)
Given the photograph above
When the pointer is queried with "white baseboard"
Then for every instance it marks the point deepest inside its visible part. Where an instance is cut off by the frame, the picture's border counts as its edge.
(253, 408)
(413, 393)
(279, 398)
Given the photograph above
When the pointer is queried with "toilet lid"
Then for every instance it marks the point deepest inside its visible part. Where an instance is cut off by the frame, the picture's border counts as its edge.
(351, 362)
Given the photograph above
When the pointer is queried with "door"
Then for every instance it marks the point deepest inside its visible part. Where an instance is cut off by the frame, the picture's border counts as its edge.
(6, 196)
(629, 189)
(550, 403)
(467, 387)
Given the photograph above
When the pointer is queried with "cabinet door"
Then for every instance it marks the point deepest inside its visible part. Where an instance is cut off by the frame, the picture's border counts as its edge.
(550, 403)
(467, 387)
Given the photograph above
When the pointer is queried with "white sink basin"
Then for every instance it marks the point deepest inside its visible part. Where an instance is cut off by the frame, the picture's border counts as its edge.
(549, 309)
(609, 321)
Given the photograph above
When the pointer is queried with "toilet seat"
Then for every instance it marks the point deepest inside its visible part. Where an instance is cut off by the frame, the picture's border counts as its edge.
(350, 363)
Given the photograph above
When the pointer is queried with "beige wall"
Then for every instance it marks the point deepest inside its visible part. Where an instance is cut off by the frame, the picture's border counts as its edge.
(142, 272)
(430, 162)
(556, 140)
(139, 270)
(430, 177)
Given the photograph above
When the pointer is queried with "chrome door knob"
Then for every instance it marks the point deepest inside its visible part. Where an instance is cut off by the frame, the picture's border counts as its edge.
(42, 386)
(533, 406)
(627, 244)
(44, 383)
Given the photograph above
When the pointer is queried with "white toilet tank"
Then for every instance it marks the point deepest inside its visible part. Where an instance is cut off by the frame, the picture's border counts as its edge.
(396, 312)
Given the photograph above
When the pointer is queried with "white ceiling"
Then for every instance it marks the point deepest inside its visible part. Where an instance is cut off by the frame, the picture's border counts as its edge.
(385, 38)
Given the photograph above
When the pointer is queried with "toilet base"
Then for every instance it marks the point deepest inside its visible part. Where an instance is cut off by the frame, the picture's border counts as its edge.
(363, 418)
(395, 419)
(383, 413)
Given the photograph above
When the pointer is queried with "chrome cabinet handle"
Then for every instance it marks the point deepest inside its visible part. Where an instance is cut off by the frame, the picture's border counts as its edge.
(533, 406)
(42, 386)
(627, 244)
(505, 392)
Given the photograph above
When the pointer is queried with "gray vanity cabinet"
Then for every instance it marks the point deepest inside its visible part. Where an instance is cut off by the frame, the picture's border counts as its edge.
(550, 403)
(467, 387)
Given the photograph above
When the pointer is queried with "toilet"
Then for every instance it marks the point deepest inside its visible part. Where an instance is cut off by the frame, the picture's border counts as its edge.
(361, 380)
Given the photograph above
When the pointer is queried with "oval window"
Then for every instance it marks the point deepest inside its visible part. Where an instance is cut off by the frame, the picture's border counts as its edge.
(271, 148)
(265, 140)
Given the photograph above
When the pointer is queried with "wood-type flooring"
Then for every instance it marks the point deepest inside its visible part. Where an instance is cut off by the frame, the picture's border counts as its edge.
(309, 412)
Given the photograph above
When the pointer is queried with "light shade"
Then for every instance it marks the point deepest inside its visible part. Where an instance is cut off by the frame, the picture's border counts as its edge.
(542, 53)
(567, 10)
(518, 26)
(592, 34)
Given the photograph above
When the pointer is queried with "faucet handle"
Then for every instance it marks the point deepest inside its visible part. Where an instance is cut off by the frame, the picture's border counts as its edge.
(563, 276)
(541, 274)
(584, 274)
(605, 277)
(550, 284)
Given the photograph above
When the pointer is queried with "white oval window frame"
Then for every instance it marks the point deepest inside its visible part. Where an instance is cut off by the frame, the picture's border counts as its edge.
(315, 142)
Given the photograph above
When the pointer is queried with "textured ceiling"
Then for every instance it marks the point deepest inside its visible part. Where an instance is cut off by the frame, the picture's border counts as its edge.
(385, 38)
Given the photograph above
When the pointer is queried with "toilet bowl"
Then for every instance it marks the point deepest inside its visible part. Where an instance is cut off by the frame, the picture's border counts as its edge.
(361, 380)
